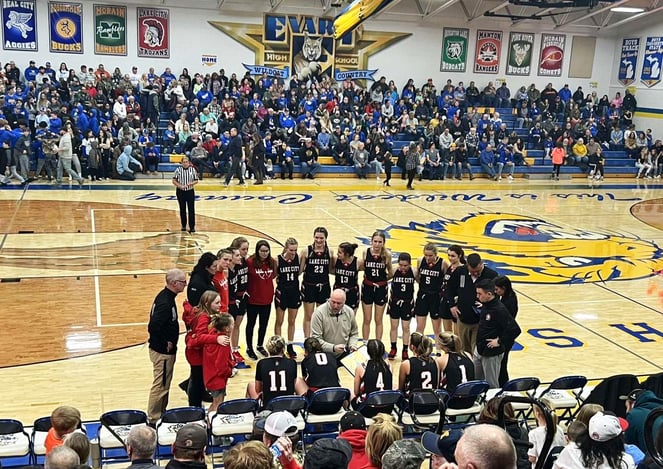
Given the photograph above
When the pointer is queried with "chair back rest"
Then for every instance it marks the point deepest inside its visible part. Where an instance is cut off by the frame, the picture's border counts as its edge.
(184, 415)
(423, 402)
(520, 385)
(654, 383)
(42, 424)
(238, 406)
(328, 400)
(119, 422)
(569, 382)
(292, 404)
(10, 426)
(466, 394)
(608, 391)
(380, 402)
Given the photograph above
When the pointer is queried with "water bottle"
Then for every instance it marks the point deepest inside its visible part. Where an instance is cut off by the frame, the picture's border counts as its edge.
(276, 451)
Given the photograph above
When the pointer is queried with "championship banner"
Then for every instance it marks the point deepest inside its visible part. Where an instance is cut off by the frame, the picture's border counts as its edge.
(19, 25)
(628, 61)
(551, 57)
(66, 27)
(110, 30)
(454, 49)
(153, 32)
(519, 60)
(488, 51)
(651, 67)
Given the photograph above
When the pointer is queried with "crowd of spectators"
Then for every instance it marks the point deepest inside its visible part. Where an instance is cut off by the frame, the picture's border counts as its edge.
(356, 126)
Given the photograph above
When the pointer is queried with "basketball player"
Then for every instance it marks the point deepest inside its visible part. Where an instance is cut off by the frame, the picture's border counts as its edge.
(275, 375)
(238, 281)
(346, 273)
(455, 258)
(316, 261)
(287, 295)
(420, 371)
(401, 303)
(431, 273)
(457, 366)
(378, 269)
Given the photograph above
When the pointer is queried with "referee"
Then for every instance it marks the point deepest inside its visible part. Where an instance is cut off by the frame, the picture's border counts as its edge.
(184, 178)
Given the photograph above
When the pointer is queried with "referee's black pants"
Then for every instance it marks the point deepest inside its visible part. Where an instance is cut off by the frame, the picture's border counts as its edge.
(186, 199)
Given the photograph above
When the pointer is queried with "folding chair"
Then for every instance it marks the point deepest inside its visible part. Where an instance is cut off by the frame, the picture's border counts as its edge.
(524, 387)
(174, 419)
(465, 401)
(385, 402)
(423, 410)
(565, 393)
(296, 405)
(114, 429)
(325, 407)
(232, 419)
(14, 441)
(40, 429)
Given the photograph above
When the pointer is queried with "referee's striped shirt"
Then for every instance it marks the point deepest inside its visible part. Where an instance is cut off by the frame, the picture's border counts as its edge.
(186, 176)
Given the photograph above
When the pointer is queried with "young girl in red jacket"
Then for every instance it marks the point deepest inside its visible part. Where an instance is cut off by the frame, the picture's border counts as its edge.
(217, 360)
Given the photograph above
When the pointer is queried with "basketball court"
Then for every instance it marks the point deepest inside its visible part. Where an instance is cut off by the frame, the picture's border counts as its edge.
(79, 269)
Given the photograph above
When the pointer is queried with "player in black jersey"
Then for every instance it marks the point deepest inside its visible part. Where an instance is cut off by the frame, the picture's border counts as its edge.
(238, 281)
(455, 258)
(431, 271)
(374, 375)
(275, 375)
(346, 273)
(319, 369)
(401, 303)
(287, 295)
(378, 269)
(420, 371)
(316, 262)
(456, 365)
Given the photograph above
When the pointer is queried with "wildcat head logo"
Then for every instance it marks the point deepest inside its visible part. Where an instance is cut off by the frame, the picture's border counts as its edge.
(533, 250)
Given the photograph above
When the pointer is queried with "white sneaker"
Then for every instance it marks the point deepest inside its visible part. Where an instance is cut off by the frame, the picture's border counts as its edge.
(499, 178)
(234, 372)
(510, 178)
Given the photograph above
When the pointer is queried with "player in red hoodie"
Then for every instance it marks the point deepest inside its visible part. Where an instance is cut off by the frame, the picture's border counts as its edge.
(217, 360)
(353, 429)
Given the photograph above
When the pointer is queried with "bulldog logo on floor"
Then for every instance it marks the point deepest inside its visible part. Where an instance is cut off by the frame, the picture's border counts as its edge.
(533, 250)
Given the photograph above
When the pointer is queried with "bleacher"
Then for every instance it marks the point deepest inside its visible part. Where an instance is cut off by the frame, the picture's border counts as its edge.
(617, 164)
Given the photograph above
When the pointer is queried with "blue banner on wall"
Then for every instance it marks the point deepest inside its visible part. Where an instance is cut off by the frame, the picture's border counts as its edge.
(19, 25)
(270, 71)
(628, 60)
(66, 27)
(651, 66)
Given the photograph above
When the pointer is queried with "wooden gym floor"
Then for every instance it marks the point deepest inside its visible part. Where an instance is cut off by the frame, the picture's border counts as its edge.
(79, 269)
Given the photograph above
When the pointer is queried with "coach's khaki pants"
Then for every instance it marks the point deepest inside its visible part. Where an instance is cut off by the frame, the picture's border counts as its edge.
(468, 336)
(162, 368)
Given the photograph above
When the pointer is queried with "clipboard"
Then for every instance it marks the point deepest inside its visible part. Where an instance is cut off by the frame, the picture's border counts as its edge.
(355, 358)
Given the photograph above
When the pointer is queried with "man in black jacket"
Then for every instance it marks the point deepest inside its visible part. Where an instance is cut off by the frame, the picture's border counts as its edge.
(496, 328)
(462, 298)
(235, 154)
(164, 331)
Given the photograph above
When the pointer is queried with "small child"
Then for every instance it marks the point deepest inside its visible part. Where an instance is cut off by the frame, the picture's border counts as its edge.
(64, 420)
(169, 139)
(537, 436)
(218, 363)
(548, 146)
(80, 443)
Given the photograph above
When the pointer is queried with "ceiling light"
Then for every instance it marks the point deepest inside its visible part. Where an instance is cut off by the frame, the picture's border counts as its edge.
(627, 10)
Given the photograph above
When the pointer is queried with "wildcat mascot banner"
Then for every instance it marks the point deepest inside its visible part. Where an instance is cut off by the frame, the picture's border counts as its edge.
(304, 46)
